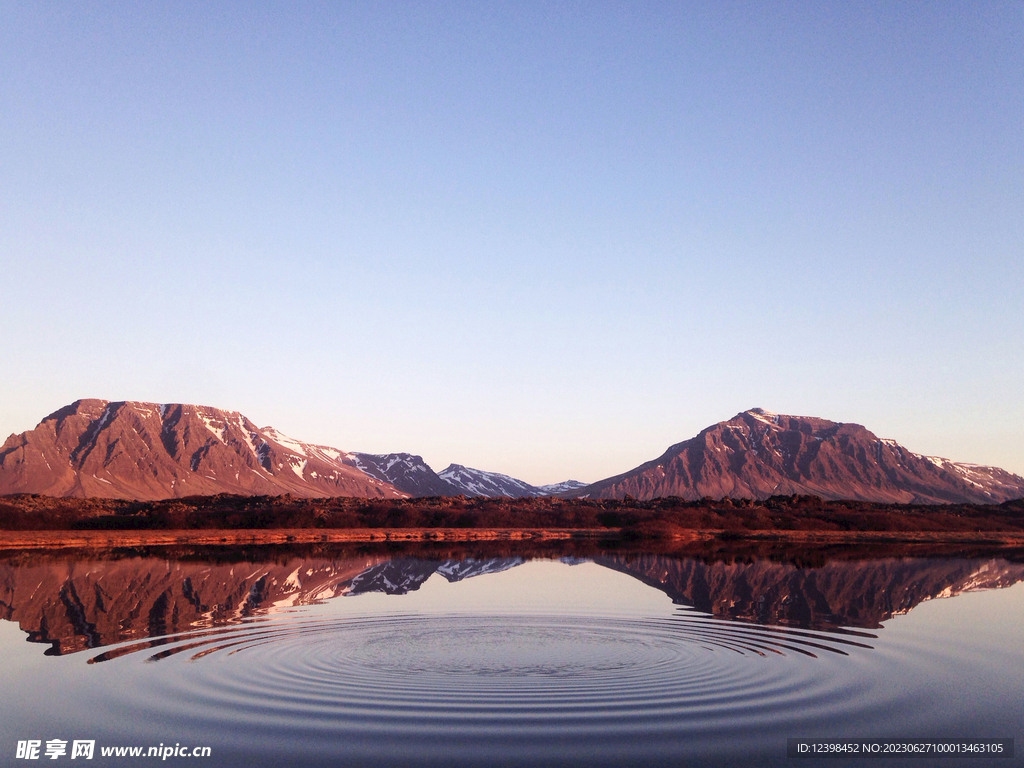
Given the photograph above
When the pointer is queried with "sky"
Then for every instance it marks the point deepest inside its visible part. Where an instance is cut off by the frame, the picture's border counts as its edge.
(545, 239)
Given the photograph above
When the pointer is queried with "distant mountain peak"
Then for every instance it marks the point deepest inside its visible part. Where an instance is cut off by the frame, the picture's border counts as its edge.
(566, 487)
(408, 472)
(477, 482)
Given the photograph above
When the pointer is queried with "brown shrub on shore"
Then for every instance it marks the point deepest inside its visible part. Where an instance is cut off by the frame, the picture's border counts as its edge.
(644, 519)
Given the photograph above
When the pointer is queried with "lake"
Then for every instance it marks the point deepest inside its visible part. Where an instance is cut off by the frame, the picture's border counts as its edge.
(364, 656)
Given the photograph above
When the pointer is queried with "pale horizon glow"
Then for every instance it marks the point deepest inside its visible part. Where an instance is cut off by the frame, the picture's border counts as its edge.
(542, 239)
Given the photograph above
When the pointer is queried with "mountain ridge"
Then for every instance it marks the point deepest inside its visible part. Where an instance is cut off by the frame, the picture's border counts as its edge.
(148, 451)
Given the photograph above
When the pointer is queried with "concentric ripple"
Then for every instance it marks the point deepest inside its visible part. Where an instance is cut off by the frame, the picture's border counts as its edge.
(472, 672)
(405, 636)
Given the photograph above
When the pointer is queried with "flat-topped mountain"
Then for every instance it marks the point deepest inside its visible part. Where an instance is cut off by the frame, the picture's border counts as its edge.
(758, 454)
(146, 451)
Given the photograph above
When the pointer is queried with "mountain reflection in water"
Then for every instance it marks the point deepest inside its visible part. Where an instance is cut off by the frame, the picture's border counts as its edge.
(505, 654)
(88, 603)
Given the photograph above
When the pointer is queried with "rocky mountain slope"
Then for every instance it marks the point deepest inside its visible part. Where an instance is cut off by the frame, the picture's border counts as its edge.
(758, 454)
(146, 451)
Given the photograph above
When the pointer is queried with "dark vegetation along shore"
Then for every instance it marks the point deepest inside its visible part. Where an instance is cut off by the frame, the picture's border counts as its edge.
(656, 518)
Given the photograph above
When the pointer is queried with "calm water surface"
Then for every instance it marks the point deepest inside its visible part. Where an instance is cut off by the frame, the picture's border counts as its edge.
(367, 658)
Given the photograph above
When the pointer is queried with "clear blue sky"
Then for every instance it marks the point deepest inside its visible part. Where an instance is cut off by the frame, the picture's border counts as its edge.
(547, 239)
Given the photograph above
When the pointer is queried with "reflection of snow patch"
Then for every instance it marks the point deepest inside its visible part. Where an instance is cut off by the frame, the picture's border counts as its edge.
(323, 593)
(457, 570)
(284, 602)
(292, 582)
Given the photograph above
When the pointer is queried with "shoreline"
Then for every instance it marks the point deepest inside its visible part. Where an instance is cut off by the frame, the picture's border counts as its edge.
(240, 536)
(86, 539)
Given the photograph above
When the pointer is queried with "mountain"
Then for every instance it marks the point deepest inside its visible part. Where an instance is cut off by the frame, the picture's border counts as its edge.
(566, 487)
(411, 475)
(476, 482)
(408, 473)
(146, 451)
(758, 454)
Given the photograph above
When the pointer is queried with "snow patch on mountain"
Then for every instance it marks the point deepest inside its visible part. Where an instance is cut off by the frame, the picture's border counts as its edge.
(211, 425)
(296, 446)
